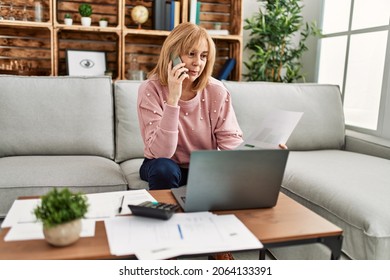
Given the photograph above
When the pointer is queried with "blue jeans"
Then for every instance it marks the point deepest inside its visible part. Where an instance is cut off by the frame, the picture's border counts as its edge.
(163, 173)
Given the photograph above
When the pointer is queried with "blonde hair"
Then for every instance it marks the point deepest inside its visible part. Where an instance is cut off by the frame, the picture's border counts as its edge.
(183, 39)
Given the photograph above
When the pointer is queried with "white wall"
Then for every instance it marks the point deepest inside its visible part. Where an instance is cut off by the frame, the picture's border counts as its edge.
(311, 11)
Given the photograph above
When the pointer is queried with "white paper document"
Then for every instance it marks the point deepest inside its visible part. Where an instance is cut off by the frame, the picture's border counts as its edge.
(30, 231)
(106, 205)
(21, 212)
(24, 225)
(184, 233)
(101, 206)
(275, 129)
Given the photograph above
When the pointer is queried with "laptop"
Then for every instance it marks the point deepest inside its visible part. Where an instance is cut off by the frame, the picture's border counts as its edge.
(232, 180)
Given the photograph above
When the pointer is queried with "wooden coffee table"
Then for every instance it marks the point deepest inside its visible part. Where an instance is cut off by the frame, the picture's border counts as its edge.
(288, 223)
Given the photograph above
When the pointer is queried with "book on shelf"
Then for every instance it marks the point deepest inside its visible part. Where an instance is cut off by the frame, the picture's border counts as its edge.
(176, 14)
(159, 15)
(198, 6)
(169, 13)
(226, 69)
(166, 14)
(195, 11)
(193, 7)
(172, 14)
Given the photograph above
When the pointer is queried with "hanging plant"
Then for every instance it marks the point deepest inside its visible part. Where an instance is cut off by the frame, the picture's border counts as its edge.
(276, 55)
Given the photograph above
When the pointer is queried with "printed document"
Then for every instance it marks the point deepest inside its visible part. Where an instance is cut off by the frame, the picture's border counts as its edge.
(24, 225)
(184, 233)
(275, 129)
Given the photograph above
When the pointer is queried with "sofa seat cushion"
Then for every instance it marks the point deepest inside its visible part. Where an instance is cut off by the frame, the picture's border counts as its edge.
(36, 175)
(130, 169)
(349, 189)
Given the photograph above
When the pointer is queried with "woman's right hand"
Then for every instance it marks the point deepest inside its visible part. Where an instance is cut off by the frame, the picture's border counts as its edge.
(176, 76)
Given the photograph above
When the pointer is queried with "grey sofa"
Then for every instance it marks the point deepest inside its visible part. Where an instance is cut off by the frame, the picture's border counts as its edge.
(342, 175)
(83, 133)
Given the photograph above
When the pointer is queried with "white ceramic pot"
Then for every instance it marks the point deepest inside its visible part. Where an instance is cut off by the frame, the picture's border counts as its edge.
(103, 23)
(64, 234)
(86, 21)
(68, 21)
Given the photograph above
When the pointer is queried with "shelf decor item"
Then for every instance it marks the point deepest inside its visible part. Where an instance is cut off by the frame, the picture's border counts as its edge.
(61, 212)
(1, 12)
(139, 14)
(68, 19)
(103, 22)
(38, 11)
(85, 11)
(86, 63)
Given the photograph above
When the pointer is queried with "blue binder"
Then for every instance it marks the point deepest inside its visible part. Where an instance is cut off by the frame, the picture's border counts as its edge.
(226, 69)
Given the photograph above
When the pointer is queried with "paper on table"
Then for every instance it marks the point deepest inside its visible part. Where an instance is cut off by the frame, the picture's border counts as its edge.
(101, 206)
(275, 129)
(228, 234)
(30, 231)
(22, 211)
(106, 205)
(125, 234)
(184, 233)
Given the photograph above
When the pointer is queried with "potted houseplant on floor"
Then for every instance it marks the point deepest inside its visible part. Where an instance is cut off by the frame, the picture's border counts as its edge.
(85, 11)
(68, 19)
(60, 212)
(277, 41)
(103, 22)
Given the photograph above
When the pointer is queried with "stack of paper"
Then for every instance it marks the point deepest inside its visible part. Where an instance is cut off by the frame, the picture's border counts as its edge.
(183, 234)
(24, 225)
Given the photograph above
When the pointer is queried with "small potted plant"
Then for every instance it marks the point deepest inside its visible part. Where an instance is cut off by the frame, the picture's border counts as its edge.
(103, 22)
(85, 11)
(60, 212)
(68, 19)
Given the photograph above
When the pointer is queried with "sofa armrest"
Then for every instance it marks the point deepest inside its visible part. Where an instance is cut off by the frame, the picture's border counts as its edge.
(367, 144)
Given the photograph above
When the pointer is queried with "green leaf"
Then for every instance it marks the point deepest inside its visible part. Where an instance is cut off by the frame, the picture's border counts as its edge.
(61, 206)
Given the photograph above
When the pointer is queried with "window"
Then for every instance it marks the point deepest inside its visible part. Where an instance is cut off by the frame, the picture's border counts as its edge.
(353, 55)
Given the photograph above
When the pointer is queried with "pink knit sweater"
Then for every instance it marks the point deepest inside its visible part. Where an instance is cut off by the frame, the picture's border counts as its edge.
(205, 122)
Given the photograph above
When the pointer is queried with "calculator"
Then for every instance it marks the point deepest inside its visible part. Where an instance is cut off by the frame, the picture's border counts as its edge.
(156, 210)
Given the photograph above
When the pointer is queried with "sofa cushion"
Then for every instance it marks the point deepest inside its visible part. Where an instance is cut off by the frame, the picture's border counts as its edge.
(35, 175)
(349, 189)
(321, 126)
(130, 169)
(129, 142)
(56, 116)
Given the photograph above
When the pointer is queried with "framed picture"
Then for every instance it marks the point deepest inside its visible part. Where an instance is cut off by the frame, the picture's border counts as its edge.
(85, 63)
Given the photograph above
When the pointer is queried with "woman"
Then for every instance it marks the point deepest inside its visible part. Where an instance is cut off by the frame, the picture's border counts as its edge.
(182, 108)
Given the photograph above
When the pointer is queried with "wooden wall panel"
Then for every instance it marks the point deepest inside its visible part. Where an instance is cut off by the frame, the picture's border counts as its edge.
(146, 50)
(25, 50)
(24, 10)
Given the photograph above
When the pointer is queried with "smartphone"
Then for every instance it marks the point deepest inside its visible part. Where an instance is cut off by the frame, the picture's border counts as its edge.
(176, 61)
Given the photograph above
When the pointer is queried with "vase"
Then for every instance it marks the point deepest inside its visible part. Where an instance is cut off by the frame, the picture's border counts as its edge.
(38, 11)
(63, 234)
(103, 23)
(68, 21)
(86, 21)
